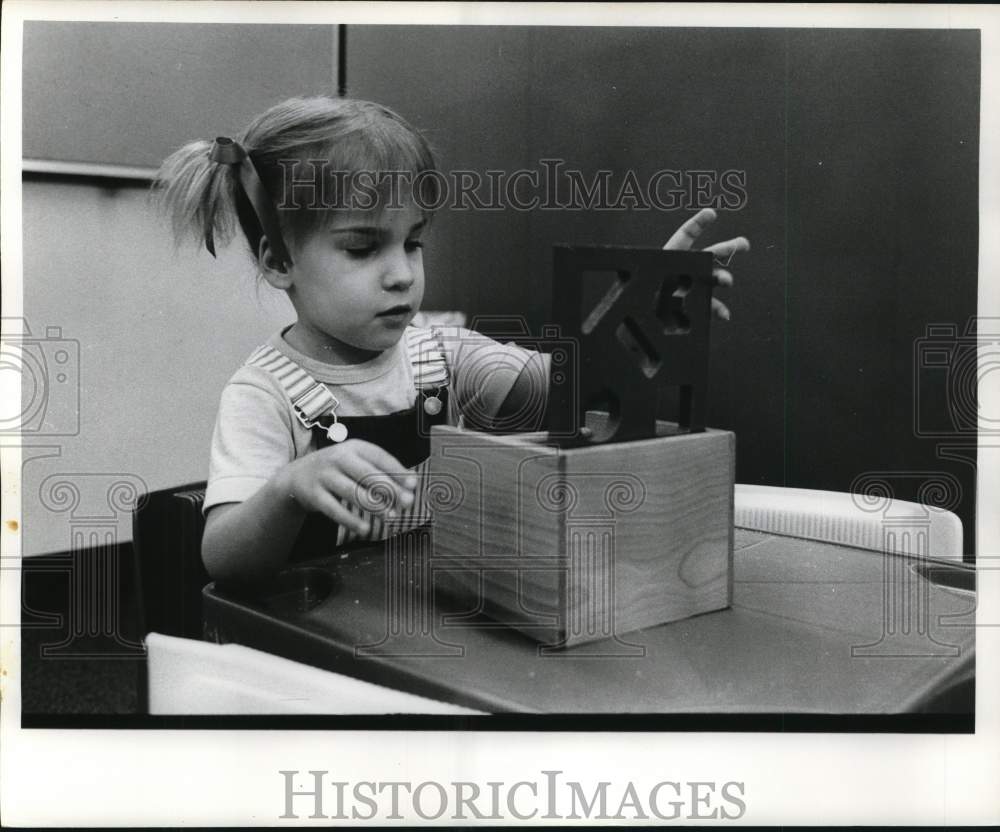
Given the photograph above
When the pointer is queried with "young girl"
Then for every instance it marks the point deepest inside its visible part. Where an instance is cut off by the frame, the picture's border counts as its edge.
(320, 435)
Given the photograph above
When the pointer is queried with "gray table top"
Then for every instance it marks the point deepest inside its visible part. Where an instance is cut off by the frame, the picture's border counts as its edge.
(814, 628)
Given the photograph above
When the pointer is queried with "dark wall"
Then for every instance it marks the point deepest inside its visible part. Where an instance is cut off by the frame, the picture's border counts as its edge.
(882, 242)
(860, 150)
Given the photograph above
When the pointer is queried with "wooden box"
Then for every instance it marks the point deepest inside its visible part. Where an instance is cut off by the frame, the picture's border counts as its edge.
(587, 543)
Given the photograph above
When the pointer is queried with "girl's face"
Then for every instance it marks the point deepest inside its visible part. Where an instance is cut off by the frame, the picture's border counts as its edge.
(357, 284)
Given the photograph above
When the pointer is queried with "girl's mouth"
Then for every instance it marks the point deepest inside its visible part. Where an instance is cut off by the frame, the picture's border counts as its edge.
(395, 312)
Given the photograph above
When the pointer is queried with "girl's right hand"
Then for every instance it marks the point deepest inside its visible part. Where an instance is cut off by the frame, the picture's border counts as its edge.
(359, 472)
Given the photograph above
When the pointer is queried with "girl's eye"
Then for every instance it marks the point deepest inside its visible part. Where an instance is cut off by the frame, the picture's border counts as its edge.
(361, 249)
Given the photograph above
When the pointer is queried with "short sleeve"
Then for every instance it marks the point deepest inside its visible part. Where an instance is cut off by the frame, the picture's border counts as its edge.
(252, 440)
(489, 377)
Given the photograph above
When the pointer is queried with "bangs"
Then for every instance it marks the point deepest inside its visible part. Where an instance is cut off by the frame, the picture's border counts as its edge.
(372, 162)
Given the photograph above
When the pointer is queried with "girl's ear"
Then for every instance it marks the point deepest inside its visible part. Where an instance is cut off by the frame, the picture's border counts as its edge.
(274, 272)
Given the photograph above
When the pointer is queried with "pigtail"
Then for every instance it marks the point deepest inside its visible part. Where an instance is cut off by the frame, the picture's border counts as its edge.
(197, 195)
(209, 189)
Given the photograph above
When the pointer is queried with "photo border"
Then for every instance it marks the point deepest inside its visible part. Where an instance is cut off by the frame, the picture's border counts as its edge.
(229, 776)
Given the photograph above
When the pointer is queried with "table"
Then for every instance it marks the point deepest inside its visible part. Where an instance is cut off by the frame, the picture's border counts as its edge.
(815, 628)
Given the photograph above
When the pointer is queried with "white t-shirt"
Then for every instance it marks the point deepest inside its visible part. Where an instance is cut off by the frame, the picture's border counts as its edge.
(257, 432)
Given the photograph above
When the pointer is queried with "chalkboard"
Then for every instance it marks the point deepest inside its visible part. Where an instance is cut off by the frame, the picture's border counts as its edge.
(130, 93)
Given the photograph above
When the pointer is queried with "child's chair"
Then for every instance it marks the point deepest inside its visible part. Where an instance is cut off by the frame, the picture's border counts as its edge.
(166, 538)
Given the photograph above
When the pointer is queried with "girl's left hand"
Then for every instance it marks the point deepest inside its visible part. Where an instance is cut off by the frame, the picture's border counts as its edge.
(687, 235)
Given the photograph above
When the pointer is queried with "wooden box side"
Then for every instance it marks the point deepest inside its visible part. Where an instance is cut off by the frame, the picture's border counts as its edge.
(492, 546)
(650, 534)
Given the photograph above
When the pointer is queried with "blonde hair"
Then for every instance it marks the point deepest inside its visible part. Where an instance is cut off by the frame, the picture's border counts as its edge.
(332, 136)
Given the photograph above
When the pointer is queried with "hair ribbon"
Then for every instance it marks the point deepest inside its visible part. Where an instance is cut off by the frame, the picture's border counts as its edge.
(226, 151)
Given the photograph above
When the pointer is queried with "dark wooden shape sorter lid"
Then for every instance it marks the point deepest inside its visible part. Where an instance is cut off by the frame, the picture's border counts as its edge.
(636, 321)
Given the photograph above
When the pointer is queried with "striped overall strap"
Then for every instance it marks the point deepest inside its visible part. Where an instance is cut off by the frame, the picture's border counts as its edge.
(310, 399)
(427, 358)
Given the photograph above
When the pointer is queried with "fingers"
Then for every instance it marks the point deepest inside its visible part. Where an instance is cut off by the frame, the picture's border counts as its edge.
(685, 236)
(722, 277)
(387, 464)
(725, 250)
(329, 505)
(372, 493)
(370, 477)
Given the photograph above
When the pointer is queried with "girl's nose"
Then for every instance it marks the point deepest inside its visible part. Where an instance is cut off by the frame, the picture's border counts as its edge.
(399, 272)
